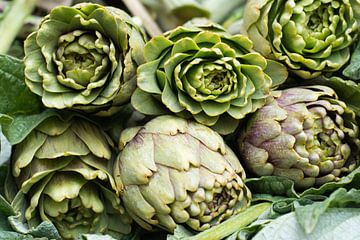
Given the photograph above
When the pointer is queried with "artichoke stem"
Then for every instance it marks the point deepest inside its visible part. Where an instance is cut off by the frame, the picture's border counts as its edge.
(15, 18)
(233, 224)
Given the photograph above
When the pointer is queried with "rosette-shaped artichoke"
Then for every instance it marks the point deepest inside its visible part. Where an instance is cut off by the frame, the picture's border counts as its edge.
(63, 168)
(311, 37)
(84, 57)
(305, 134)
(178, 171)
(201, 71)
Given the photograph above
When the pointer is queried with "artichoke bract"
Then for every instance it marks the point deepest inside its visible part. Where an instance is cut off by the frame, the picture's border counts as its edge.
(305, 134)
(200, 71)
(85, 58)
(176, 171)
(310, 37)
(63, 169)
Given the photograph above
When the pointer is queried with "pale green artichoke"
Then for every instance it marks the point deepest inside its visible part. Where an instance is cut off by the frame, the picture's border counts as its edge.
(176, 171)
(311, 37)
(305, 134)
(201, 71)
(64, 171)
(85, 58)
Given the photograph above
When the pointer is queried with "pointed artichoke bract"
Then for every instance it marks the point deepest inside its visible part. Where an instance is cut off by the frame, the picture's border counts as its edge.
(64, 170)
(177, 171)
(84, 57)
(201, 71)
(310, 37)
(305, 134)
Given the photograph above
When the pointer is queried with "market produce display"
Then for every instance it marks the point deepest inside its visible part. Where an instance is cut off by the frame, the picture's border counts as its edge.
(180, 119)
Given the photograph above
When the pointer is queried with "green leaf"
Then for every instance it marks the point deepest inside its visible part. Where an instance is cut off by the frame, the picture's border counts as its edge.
(20, 109)
(309, 215)
(352, 180)
(352, 70)
(180, 233)
(43, 230)
(15, 97)
(5, 207)
(5, 211)
(5, 149)
(9, 235)
(22, 124)
(274, 185)
(335, 223)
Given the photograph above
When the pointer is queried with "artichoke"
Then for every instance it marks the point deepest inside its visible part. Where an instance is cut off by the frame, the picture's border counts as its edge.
(84, 58)
(200, 71)
(178, 171)
(311, 37)
(305, 134)
(62, 168)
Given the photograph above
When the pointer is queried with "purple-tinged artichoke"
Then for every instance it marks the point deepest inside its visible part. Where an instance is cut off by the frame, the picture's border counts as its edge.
(305, 134)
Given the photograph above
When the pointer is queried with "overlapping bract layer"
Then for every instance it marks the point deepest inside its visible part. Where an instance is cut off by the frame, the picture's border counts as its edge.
(305, 134)
(178, 171)
(311, 36)
(63, 170)
(203, 72)
(84, 57)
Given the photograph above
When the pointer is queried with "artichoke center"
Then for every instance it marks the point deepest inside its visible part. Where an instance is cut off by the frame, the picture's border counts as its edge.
(315, 22)
(82, 58)
(216, 79)
(77, 214)
(220, 200)
(326, 142)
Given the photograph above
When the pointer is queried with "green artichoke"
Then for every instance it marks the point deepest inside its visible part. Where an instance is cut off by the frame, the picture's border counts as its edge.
(201, 71)
(311, 37)
(62, 168)
(178, 171)
(305, 134)
(85, 58)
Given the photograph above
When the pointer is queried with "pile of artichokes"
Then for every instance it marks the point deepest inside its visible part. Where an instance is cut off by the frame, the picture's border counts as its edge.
(214, 107)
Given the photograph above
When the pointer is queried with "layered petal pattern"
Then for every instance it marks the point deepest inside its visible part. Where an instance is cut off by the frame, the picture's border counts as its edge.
(311, 37)
(64, 170)
(85, 58)
(305, 134)
(201, 71)
(176, 171)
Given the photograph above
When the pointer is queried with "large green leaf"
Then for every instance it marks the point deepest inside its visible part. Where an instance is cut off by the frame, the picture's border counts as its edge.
(20, 109)
(352, 70)
(273, 185)
(334, 223)
(44, 230)
(308, 216)
(17, 127)
(5, 211)
(15, 97)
